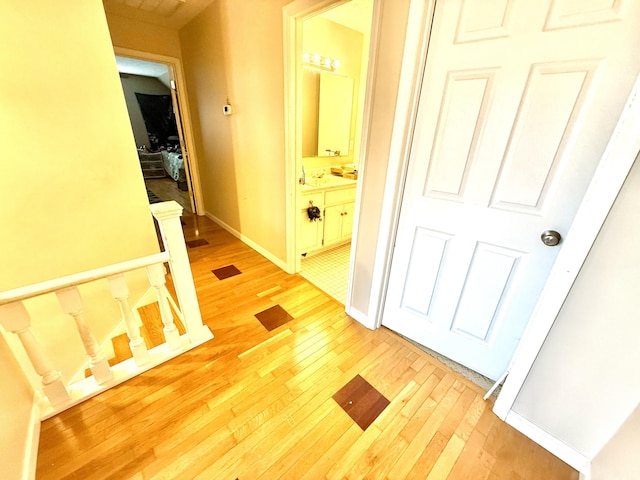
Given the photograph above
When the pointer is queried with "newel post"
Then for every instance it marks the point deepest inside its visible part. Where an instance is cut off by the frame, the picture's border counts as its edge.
(168, 216)
(15, 318)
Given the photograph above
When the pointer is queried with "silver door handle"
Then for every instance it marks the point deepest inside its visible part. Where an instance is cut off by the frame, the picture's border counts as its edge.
(550, 238)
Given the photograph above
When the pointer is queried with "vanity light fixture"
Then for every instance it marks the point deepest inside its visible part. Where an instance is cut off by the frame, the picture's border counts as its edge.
(315, 60)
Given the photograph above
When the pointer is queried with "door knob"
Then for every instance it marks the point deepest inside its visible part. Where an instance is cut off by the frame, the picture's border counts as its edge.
(550, 238)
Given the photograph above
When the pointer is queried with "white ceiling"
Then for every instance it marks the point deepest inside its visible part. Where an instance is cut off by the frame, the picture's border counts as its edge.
(355, 15)
(165, 13)
(140, 67)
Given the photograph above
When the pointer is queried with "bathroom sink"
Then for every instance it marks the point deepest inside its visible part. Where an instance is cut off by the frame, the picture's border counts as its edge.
(330, 181)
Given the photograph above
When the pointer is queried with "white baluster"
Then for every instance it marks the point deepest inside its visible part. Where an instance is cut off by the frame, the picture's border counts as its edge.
(71, 303)
(168, 216)
(120, 291)
(15, 318)
(156, 275)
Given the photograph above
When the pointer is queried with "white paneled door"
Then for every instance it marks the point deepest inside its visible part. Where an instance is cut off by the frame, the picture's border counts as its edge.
(517, 103)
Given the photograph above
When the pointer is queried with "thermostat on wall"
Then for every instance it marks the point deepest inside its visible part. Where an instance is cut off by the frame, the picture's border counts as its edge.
(227, 109)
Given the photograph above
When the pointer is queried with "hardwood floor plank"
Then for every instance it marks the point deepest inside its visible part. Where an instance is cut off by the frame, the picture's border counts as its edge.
(253, 404)
(297, 429)
(428, 458)
(447, 459)
(300, 455)
(424, 434)
(374, 461)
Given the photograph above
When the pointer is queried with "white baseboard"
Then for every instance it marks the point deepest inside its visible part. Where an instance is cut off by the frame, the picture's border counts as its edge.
(564, 452)
(244, 239)
(33, 441)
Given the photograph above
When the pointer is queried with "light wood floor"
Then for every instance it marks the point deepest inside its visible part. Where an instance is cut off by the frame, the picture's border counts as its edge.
(253, 404)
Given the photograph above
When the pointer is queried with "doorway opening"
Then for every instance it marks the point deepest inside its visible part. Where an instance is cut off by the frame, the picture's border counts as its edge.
(155, 114)
(334, 50)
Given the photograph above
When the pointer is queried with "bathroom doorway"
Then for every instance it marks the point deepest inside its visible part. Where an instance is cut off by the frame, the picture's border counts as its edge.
(334, 49)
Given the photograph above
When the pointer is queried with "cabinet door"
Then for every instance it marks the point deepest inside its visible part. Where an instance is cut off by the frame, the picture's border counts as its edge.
(347, 220)
(332, 224)
(310, 233)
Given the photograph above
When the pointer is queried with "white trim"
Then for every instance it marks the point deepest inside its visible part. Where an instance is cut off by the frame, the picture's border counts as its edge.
(48, 286)
(30, 460)
(585, 475)
(564, 452)
(123, 371)
(605, 185)
(246, 240)
(413, 61)
(369, 96)
(292, 16)
(185, 115)
(360, 317)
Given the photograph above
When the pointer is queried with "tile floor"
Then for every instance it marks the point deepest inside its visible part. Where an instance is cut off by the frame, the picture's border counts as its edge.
(329, 271)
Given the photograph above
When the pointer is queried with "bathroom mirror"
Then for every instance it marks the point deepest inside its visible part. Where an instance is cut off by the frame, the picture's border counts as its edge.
(326, 113)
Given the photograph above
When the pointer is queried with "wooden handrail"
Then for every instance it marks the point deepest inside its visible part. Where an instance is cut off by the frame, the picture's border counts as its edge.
(49, 286)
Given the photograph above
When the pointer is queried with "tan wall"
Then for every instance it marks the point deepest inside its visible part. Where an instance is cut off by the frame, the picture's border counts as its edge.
(71, 190)
(585, 381)
(387, 78)
(619, 458)
(142, 36)
(234, 50)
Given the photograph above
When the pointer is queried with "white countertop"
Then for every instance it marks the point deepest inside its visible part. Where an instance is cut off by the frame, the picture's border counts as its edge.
(326, 182)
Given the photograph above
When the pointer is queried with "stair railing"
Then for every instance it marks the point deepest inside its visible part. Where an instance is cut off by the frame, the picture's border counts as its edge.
(56, 395)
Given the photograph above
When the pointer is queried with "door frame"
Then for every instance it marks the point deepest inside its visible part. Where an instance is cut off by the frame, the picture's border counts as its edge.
(293, 15)
(613, 168)
(191, 165)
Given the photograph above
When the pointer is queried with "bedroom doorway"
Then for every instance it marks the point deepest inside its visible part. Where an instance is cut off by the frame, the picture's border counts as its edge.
(155, 114)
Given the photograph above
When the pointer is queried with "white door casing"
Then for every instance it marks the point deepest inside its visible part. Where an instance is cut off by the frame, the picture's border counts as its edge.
(517, 103)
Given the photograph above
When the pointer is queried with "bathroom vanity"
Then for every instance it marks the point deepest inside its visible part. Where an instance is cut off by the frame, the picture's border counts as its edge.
(335, 197)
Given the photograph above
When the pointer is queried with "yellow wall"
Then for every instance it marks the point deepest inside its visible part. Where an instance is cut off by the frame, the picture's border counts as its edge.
(71, 188)
(234, 50)
(329, 39)
(145, 37)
